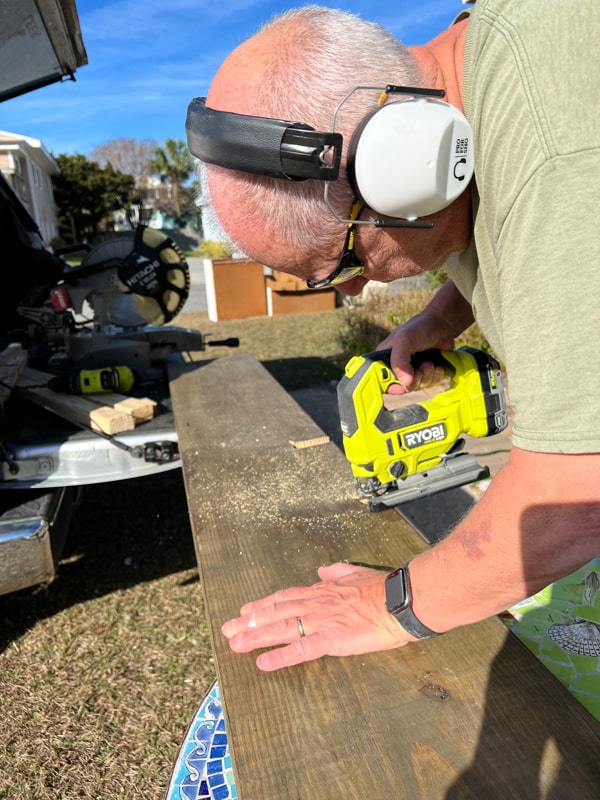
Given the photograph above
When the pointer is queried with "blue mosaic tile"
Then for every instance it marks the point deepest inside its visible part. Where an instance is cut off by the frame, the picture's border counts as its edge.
(203, 769)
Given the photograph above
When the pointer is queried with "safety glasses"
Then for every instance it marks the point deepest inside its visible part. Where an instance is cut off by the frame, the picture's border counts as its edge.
(349, 265)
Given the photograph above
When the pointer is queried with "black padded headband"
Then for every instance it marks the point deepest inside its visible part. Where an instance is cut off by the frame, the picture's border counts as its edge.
(260, 145)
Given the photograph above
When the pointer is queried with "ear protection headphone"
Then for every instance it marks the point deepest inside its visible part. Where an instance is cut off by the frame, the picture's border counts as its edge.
(405, 160)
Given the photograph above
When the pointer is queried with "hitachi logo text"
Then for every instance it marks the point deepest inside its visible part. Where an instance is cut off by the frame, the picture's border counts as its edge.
(434, 433)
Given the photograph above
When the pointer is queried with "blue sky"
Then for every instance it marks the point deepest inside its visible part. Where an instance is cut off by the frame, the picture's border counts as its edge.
(148, 58)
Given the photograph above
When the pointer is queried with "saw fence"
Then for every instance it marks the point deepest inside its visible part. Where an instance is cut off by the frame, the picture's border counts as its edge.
(470, 715)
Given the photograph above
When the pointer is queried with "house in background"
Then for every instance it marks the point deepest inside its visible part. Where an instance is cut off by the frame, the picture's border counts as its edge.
(27, 166)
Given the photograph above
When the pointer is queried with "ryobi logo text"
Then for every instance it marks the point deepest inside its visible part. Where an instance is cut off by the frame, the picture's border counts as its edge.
(433, 433)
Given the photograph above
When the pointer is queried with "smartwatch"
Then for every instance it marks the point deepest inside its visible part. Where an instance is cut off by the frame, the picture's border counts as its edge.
(398, 601)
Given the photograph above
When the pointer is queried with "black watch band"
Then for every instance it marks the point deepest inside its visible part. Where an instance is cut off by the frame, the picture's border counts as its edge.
(398, 601)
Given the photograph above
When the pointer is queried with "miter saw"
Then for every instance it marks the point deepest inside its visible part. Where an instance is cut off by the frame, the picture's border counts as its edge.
(408, 453)
(112, 305)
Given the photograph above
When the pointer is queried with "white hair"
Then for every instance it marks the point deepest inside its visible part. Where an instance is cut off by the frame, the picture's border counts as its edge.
(323, 54)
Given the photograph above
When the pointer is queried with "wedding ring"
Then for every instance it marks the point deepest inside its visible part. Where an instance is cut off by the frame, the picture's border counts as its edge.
(300, 627)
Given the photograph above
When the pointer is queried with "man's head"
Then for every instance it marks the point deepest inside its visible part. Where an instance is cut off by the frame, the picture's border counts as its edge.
(299, 67)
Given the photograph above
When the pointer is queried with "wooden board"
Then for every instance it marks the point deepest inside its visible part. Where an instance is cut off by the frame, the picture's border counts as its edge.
(471, 714)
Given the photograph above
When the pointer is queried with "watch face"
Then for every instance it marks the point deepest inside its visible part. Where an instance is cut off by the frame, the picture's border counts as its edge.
(396, 591)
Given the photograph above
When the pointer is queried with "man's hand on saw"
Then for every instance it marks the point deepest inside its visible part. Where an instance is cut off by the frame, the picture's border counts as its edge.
(445, 318)
(418, 334)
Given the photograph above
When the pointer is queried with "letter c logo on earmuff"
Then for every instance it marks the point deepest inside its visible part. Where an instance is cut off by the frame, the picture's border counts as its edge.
(460, 176)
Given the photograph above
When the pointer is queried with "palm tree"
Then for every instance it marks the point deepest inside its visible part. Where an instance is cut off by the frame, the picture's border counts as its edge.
(173, 164)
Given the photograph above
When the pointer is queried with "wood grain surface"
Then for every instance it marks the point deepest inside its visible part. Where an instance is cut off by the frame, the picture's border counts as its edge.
(471, 714)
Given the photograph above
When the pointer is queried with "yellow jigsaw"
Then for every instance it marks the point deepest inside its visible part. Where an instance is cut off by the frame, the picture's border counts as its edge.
(407, 453)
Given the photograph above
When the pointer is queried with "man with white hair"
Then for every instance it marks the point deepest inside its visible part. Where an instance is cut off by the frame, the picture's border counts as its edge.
(518, 78)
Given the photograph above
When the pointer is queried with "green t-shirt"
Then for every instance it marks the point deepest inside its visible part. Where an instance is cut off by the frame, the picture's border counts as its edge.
(532, 271)
(532, 274)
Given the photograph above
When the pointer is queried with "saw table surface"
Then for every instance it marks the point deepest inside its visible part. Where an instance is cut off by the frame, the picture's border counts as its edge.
(471, 714)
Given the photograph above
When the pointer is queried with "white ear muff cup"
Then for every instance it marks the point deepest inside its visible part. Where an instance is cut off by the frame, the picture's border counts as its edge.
(411, 158)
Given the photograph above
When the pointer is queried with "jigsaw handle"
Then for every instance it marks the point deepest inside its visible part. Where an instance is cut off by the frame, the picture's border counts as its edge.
(439, 358)
(368, 377)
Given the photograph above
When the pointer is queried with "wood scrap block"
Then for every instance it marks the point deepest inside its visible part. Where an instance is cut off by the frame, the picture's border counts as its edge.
(140, 408)
(314, 442)
(107, 420)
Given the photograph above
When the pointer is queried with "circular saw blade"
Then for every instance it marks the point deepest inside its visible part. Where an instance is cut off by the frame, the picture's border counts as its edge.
(151, 271)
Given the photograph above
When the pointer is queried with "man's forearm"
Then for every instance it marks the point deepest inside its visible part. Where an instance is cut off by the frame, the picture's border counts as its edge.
(538, 521)
(451, 308)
